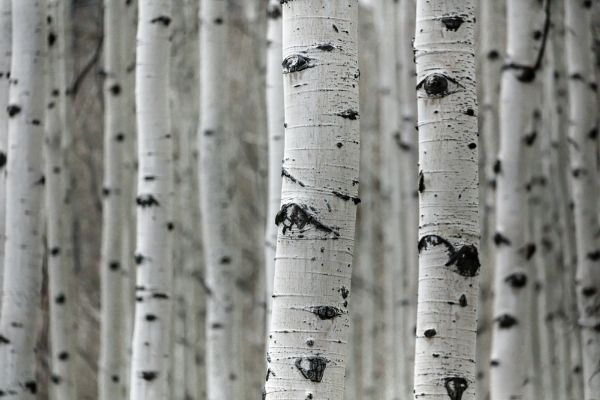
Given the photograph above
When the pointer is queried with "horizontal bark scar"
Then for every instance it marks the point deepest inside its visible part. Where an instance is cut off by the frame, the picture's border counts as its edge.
(345, 197)
(286, 174)
(326, 312)
(465, 259)
(298, 214)
(296, 63)
(315, 370)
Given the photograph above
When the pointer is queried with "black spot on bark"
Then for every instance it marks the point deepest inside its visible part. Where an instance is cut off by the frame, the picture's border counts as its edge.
(41, 181)
(497, 167)
(114, 265)
(345, 292)
(530, 138)
(349, 114)
(453, 23)
(119, 137)
(528, 250)
(506, 321)
(500, 239)
(160, 296)
(115, 378)
(51, 39)
(149, 375)
(421, 182)
(4, 340)
(466, 260)
(13, 110)
(335, 28)
(494, 363)
(147, 200)
(170, 226)
(115, 89)
(576, 77)
(2, 159)
(429, 333)
(462, 301)
(589, 291)
(274, 11)
(151, 317)
(31, 386)
(269, 372)
(537, 35)
(36, 122)
(225, 260)
(298, 214)
(55, 251)
(493, 55)
(209, 132)
(435, 85)
(326, 312)
(516, 280)
(315, 370)
(295, 63)
(60, 298)
(472, 146)
(326, 47)
(593, 134)
(139, 259)
(286, 174)
(470, 112)
(56, 379)
(594, 256)
(455, 387)
(63, 356)
(163, 19)
(218, 21)
(345, 197)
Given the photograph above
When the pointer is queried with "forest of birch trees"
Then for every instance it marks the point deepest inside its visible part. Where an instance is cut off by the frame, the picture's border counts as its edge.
(299, 199)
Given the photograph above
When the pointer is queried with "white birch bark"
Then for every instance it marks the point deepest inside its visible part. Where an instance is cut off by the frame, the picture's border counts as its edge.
(60, 266)
(582, 136)
(216, 207)
(112, 350)
(309, 326)
(448, 201)
(24, 201)
(275, 116)
(152, 327)
(5, 55)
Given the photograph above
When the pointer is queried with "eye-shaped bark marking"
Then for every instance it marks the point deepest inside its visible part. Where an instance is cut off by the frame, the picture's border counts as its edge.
(437, 85)
(147, 201)
(455, 387)
(465, 259)
(506, 321)
(296, 63)
(516, 280)
(298, 214)
(148, 375)
(452, 23)
(326, 312)
(163, 19)
(315, 370)
(500, 239)
(326, 47)
(349, 114)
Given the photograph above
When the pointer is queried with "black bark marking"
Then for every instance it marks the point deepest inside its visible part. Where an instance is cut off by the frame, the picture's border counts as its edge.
(139, 259)
(434, 240)
(147, 200)
(497, 167)
(530, 139)
(274, 11)
(51, 39)
(286, 174)
(472, 146)
(528, 250)
(163, 19)
(2, 159)
(345, 197)
(500, 239)
(589, 291)
(435, 85)
(462, 301)
(594, 255)
(349, 114)
(41, 181)
(4, 340)
(151, 317)
(56, 379)
(148, 375)
(421, 182)
(470, 112)
(115, 378)
(326, 312)
(55, 251)
(493, 55)
(494, 363)
(31, 386)
(115, 89)
(506, 321)
(160, 296)
(316, 368)
(119, 137)
(455, 387)
(60, 299)
(593, 134)
(13, 110)
(345, 292)
(296, 63)
(516, 280)
(269, 372)
(452, 23)
(326, 47)
(587, 4)
(465, 259)
(298, 214)
(335, 28)
(36, 122)
(218, 21)
(63, 356)
(170, 226)
(225, 260)
(429, 333)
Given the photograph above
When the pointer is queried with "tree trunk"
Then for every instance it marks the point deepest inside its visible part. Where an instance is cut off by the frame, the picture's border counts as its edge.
(449, 191)
(152, 326)
(63, 342)
(313, 265)
(276, 139)
(5, 55)
(583, 132)
(24, 189)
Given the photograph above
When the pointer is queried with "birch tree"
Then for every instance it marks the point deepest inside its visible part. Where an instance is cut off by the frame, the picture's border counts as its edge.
(448, 200)
(512, 281)
(276, 139)
(152, 326)
(60, 266)
(112, 351)
(582, 136)
(5, 54)
(24, 195)
(309, 327)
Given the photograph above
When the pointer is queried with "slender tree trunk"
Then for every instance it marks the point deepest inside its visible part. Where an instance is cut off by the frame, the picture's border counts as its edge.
(152, 326)
(5, 55)
(313, 265)
(583, 132)
(276, 139)
(112, 348)
(63, 342)
(24, 189)
(448, 200)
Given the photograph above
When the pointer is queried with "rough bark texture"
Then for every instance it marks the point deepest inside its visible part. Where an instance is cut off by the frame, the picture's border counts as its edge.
(310, 321)
(513, 281)
(152, 326)
(584, 181)
(113, 360)
(24, 188)
(448, 201)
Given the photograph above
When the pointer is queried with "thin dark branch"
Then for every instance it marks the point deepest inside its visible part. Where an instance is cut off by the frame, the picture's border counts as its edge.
(76, 85)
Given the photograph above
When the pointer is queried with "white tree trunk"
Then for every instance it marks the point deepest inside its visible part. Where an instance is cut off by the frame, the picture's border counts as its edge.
(5, 54)
(60, 266)
(583, 132)
(112, 367)
(222, 261)
(152, 327)
(309, 327)
(24, 189)
(448, 201)
(275, 117)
